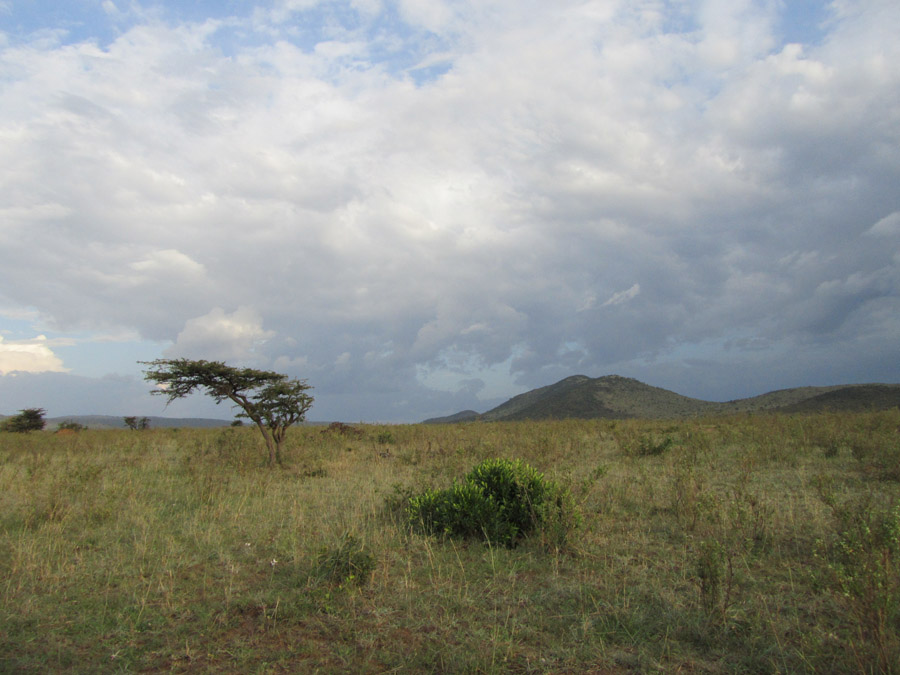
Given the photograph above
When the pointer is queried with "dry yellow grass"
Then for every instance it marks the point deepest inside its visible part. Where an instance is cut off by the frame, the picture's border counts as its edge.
(715, 545)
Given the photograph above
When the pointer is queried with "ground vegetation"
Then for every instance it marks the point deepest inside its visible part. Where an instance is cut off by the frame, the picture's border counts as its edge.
(763, 543)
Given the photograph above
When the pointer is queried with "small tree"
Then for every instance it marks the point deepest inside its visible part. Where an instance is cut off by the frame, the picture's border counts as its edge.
(137, 423)
(272, 401)
(70, 425)
(29, 419)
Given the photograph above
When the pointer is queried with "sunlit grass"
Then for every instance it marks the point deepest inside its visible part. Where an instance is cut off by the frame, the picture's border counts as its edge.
(711, 544)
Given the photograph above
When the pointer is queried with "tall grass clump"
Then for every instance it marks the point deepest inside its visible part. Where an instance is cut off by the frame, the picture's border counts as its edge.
(863, 570)
(500, 501)
(715, 578)
(348, 562)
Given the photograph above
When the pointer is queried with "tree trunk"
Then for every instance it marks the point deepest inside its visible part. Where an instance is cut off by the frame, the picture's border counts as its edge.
(274, 457)
(270, 444)
(278, 434)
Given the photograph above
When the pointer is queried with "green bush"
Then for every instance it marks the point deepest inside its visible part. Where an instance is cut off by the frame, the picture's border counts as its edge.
(69, 425)
(863, 563)
(650, 447)
(499, 501)
(714, 574)
(346, 563)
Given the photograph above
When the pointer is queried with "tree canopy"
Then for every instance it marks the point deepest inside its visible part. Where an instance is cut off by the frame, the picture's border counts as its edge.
(29, 419)
(271, 400)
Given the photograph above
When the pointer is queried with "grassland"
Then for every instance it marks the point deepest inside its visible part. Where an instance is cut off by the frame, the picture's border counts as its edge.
(763, 543)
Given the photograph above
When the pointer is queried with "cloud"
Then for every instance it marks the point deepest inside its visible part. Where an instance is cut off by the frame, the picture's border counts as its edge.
(735, 32)
(433, 15)
(624, 296)
(28, 356)
(887, 226)
(483, 214)
(218, 336)
(169, 263)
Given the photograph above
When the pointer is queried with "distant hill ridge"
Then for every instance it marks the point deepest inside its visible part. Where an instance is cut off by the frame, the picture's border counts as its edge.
(617, 397)
(112, 422)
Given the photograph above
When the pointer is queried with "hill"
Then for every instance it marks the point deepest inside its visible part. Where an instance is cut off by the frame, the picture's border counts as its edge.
(858, 398)
(616, 397)
(464, 416)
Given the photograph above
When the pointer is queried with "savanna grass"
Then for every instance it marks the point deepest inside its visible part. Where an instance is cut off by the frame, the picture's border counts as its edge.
(729, 544)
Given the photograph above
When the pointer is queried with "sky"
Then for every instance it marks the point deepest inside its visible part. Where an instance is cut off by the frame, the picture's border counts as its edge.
(426, 206)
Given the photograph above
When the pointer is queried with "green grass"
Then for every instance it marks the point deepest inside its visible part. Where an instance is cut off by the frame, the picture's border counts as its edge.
(726, 544)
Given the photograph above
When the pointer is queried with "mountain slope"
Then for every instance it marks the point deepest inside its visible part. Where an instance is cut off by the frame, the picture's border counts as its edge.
(855, 398)
(612, 397)
(464, 416)
(616, 397)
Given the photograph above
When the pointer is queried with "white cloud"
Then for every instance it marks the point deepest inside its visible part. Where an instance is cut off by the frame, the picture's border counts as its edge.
(218, 336)
(624, 296)
(482, 215)
(169, 263)
(433, 15)
(29, 356)
(283, 10)
(735, 32)
(887, 226)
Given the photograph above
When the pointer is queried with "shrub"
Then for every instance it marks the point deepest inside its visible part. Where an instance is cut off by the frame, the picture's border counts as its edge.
(464, 510)
(715, 576)
(876, 457)
(346, 563)
(69, 425)
(863, 563)
(499, 501)
(650, 447)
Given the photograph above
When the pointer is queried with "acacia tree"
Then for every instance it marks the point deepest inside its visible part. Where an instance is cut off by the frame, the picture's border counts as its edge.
(272, 401)
(29, 419)
(137, 423)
